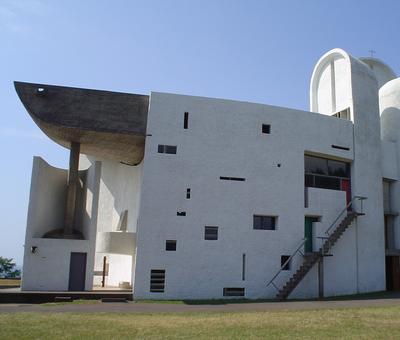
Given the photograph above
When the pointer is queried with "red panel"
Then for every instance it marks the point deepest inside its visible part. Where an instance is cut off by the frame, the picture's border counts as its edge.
(345, 186)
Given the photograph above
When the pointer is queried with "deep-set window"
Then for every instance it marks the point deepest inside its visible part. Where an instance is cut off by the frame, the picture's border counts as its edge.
(181, 213)
(327, 167)
(171, 149)
(157, 280)
(243, 267)
(284, 259)
(170, 245)
(186, 120)
(344, 114)
(327, 182)
(340, 147)
(188, 193)
(266, 128)
(325, 173)
(210, 233)
(261, 222)
(237, 179)
(236, 291)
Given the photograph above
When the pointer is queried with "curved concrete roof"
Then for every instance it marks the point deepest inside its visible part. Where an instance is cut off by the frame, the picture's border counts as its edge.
(382, 71)
(107, 124)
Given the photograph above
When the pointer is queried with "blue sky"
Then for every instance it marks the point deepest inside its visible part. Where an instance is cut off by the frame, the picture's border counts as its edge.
(258, 51)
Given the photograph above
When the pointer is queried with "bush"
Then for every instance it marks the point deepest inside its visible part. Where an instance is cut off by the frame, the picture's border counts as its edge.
(8, 268)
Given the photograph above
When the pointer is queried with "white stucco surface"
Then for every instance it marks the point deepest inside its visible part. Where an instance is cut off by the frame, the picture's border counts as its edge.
(48, 267)
(224, 138)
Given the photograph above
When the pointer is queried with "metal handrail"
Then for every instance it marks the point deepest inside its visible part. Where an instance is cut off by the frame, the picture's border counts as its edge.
(361, 198)
(304, 240)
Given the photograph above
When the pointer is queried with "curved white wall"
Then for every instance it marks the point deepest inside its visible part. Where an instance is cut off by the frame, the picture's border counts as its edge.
(383, 72)
(46, 199)
(389, 105)
(330, 89)
(117, 242)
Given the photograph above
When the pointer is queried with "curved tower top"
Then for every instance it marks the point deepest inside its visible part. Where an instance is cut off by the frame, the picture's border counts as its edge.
(382, 71)
(341, 82)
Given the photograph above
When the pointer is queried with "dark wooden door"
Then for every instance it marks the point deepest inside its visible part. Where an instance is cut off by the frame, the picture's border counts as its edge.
(392, 273)
(77, 272)
(396, 273)
(308, 234)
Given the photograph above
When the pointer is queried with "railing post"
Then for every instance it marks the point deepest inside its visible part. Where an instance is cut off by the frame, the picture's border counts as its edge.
(321, 277)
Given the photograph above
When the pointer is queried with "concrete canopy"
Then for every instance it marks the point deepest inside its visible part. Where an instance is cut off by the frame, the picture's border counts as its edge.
(107, 124)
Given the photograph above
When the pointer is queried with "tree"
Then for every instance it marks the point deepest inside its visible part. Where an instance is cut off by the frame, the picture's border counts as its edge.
(8, 268)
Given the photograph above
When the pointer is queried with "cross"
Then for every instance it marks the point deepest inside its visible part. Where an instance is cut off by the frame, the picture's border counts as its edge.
(372, 52)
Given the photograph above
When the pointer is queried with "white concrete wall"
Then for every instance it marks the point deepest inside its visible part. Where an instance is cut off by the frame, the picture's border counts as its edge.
(389, 105)
(119, 190)
(362, 94)
(48, 267)
(330, 89)
(46, 199)
(117, 242)
(389, 161)
(382, 71)
(120, 269)
(224, 139)
(343, 264)
(367, 178)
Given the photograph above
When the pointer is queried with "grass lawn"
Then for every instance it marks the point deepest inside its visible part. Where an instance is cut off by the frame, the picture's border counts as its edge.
(368, 323)
(10, 282)
(74, 302)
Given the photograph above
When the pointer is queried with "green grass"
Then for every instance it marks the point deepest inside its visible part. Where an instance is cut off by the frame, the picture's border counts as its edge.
(364, 296)
(74, 302)
(205, 302)
(366, 323)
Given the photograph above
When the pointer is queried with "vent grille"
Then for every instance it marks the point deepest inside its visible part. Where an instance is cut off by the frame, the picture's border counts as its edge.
(157, 280)
(234, 291)
(171, 149)
(210, 233)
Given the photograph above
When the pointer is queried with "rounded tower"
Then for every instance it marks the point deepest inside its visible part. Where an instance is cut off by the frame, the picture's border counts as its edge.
(389, 106)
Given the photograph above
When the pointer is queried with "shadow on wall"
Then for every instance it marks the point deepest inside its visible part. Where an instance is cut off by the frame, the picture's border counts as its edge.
(119, 196)
(47, 201)
(390, 124)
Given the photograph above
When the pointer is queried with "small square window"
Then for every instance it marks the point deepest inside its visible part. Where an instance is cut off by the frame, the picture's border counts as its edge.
(284, 258)
(266, 128)
(264, 222)
(170, 245)
(210, 233)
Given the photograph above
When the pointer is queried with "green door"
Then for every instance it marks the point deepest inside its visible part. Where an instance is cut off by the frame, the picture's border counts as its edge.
(308, 233)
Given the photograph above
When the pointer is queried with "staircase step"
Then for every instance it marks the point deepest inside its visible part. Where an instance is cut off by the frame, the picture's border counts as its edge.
(311, 258)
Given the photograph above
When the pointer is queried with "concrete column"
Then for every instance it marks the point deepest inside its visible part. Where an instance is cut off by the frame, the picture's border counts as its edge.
(73, 178)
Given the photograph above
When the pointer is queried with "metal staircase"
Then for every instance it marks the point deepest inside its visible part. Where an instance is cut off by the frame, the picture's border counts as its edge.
(333, 233)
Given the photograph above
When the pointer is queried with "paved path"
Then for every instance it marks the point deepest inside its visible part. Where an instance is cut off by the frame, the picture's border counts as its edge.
(140, 307)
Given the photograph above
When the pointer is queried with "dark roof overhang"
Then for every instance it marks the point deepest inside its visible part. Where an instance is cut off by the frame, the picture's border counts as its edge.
(109, 125)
